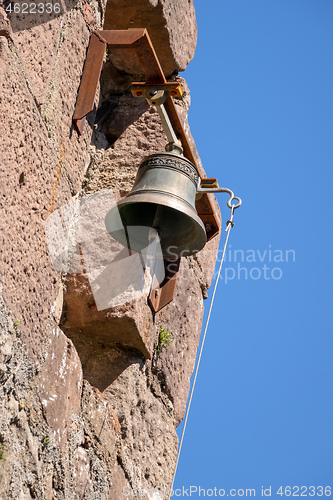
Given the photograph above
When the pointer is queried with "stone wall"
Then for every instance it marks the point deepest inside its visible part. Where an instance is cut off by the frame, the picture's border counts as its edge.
(85, 412)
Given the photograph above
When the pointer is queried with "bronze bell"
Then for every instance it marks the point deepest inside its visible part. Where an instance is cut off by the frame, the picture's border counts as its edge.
(163, 198)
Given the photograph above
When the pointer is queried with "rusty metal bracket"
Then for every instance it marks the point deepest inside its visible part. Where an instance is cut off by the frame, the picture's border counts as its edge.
(138, 40)
(131, 39)
(160, 296)
(174, 89)
(89, 81)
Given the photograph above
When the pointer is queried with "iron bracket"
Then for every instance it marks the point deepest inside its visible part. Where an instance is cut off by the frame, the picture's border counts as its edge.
(138, 40)
(164, 293)
(173, 89)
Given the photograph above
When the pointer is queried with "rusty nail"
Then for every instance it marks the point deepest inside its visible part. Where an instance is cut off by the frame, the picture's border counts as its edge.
(208, 226)
(173, 92)
(139, 94)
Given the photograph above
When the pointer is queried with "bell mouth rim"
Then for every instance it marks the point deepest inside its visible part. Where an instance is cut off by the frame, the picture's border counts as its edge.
(156, 198)
(160, 194)
(195, 246)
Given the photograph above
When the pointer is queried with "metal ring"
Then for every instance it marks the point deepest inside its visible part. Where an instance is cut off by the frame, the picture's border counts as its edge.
(234, 198)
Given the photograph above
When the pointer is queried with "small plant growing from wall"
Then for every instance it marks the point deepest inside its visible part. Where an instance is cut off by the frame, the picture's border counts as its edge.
(2, 451)
(164, 340)
(45, 441)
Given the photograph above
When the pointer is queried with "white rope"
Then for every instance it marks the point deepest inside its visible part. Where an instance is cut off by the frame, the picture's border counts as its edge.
(230, 225)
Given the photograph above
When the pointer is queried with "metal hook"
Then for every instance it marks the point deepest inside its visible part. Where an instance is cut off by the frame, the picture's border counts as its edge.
(234, 206)
(222, 190)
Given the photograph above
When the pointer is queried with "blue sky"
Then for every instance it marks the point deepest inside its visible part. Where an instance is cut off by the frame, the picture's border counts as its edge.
(262, 111)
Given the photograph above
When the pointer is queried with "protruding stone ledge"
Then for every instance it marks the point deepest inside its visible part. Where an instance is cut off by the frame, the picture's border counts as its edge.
(109, 340)
(171, 26)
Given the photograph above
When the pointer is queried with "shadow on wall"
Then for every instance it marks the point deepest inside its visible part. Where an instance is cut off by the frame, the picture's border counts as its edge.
(24, 15)
(107, 341)
(103, 362)
(112, 119)
(118, 109)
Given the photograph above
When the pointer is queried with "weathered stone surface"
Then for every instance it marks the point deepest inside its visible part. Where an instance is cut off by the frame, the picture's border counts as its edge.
(171, 27)
(24, 468)
(95, 332)
(101, 435)
(27, 182)
(5, 27)
(61, 98)
(42, 163)
(149, 440)
(60, 385)
(37, 50)
(61, 437)
(182, 318)
(32, 465)
(120, 483)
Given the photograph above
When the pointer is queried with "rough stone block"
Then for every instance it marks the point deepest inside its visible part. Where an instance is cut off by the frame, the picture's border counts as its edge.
(60, 385)
(42, 159)
(60, 98)
(182, 318)
(37, 49)
(148, 450)
(5, 27)
(171, 27)
(107, 341)
(28, 180)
